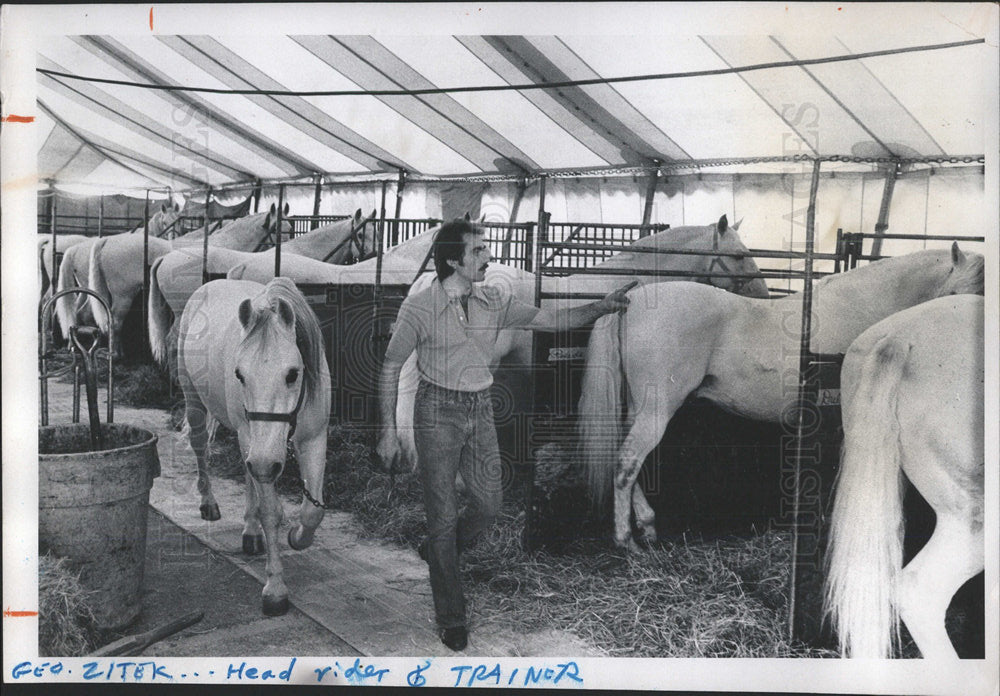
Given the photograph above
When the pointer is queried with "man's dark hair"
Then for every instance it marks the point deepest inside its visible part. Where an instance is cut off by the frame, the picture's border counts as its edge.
(449, 245)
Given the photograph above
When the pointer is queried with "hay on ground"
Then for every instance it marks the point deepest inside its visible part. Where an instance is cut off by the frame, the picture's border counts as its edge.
(66, 626)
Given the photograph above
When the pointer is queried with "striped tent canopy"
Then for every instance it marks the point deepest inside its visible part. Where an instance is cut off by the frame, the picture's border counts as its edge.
(288, 107)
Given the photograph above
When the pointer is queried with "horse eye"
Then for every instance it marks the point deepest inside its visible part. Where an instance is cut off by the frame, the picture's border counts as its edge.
(239, 375)
(292, 375)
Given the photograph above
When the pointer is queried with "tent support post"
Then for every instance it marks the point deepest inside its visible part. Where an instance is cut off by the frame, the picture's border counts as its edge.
(100, 217)
(145, 276)
(399, 206)
(538, 250)
(802, 399)
(52, 230)
(317, 193)
(892, 171)
(204, 240)
(518, 195)
(277, 233)
(647, 208)
(257, 185)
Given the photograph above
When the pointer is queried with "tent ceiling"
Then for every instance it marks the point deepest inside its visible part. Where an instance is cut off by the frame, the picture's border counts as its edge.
(126, 136)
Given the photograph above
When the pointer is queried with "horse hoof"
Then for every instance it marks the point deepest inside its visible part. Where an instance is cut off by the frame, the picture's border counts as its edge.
(291, 541)
(253, 544)
(275, 607)
(210, 512)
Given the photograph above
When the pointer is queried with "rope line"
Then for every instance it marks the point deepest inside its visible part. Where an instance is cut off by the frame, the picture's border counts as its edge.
(533, 85)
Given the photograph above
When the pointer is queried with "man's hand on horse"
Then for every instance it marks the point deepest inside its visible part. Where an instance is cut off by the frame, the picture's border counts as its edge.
(388, 452)
(617, 301)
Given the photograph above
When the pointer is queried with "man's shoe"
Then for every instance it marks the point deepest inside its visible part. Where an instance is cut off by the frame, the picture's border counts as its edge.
(455, 637)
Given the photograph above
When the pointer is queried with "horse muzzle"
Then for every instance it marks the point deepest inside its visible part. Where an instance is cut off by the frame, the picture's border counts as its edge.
(265, 473)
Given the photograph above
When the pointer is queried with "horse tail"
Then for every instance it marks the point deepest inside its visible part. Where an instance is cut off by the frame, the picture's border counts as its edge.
(160, 316)
(600, 407)
(865, 551)
(65, 305)
(98, 282)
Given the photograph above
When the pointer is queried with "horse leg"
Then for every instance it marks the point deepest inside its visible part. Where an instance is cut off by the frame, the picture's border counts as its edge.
(646, 431)
(645, 517)
(253, 537)
(197, 416)
(275, 595)
(311, 456)
(953, 554)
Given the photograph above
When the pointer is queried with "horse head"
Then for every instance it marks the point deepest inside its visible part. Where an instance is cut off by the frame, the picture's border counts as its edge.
(745, 275)
(277, 365)
(163, 222)
(363, 235)
(966, 274)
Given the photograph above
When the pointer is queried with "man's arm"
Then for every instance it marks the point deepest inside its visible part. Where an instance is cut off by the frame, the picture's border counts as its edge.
(550, 319)
(401, 345)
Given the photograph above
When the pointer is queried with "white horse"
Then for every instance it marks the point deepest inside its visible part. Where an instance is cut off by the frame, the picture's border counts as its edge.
(46, 252)
(679, 339)
(251, 357)
(116, 263)
(74, 269)
(513, 349)
(175, 276)
(912, 400)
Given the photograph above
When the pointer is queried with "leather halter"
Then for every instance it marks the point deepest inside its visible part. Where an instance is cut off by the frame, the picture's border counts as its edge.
(737, 283)
(291, 418)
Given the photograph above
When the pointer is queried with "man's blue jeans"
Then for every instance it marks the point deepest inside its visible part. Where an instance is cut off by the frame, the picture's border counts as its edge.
(454, 433)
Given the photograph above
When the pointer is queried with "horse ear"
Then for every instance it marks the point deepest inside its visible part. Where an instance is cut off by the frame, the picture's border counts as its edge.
(274, 209)
(246, 312)
(285, 211)
(357, 214)
(736, 227)
(467, 216)
(285, 314)
(374, 213)
(723, 224)
(957, 256)
(267, 218)
(163, 207)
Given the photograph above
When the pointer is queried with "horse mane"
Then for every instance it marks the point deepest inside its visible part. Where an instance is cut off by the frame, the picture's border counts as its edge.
(308, 334)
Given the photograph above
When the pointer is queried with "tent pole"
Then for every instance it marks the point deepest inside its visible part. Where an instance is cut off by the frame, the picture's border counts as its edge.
(318, 192)
(647, 208)
(52, 231)
(399, 206)
(277, 234)
(541, 237)
(256, 195)
(145, 276)
(891, 172)
(204, 240)
(518, 195)
(100, 218)
(802, 398)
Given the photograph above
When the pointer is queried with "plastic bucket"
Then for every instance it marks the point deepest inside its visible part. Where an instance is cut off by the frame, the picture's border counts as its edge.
(92, 509)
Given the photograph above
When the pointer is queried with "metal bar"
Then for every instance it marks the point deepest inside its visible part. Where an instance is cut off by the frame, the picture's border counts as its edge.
(145, 278)
(204, 240)
(647, 208)
(316, 198)
(927, 237)
(401, 182)
(518, 195)
(892, 171)
(750, 253)
(277, 233)
(52, 229)
(258, 184)
(100, 217)
(542, 233)
(381, 222)
(803, 395)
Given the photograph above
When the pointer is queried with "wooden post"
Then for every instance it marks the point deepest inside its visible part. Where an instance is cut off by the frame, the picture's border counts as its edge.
(204, 240)
(399, 206)
(316, 198)
(892, 171)
(802, 398)
(277, 234)
(647, 208)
